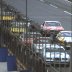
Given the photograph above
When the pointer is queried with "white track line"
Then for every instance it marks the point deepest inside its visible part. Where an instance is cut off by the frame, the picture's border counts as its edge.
(68, 12)
(53, 6)
(42, 0)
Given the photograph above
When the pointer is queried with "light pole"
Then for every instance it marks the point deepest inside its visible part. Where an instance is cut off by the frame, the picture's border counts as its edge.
(1, 16)
(26, 12)
(26, 29)
(26, 15)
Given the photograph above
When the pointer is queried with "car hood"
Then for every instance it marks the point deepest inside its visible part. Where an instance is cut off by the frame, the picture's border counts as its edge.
(55, 28)
(68, 39)
(57, 55)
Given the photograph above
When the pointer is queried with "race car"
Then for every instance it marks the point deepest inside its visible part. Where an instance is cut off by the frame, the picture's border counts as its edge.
(49, 27)
(65, 38)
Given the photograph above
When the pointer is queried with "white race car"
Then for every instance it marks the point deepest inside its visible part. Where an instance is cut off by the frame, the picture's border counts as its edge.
(65, 38)
(55, 54)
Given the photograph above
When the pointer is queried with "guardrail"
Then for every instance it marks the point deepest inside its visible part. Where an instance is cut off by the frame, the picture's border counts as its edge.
(26, 56)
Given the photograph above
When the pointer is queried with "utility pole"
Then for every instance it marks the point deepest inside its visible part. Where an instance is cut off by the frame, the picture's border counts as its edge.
(26, 20)
(26, 12)
(26, 27)
(1, 16)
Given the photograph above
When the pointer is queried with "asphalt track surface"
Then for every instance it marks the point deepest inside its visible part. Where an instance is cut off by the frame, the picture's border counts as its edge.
(62, 4)
(39, 12)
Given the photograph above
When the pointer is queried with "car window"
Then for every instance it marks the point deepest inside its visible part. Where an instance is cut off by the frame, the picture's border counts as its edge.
(66, 34)
(52, 24)
(54, 49)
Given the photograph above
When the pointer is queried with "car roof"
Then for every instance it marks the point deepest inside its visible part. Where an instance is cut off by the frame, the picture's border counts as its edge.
(53, 21)
(54, 45)
(65, 31)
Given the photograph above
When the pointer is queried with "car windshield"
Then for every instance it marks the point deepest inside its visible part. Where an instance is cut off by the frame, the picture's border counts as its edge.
(53, 24)
(66, 34)
(54, 50)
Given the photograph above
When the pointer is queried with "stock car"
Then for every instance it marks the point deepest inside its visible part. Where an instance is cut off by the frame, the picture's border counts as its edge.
(55, 55)
(52, 53)
(40, 43)
(49, 27)
(65, 38)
